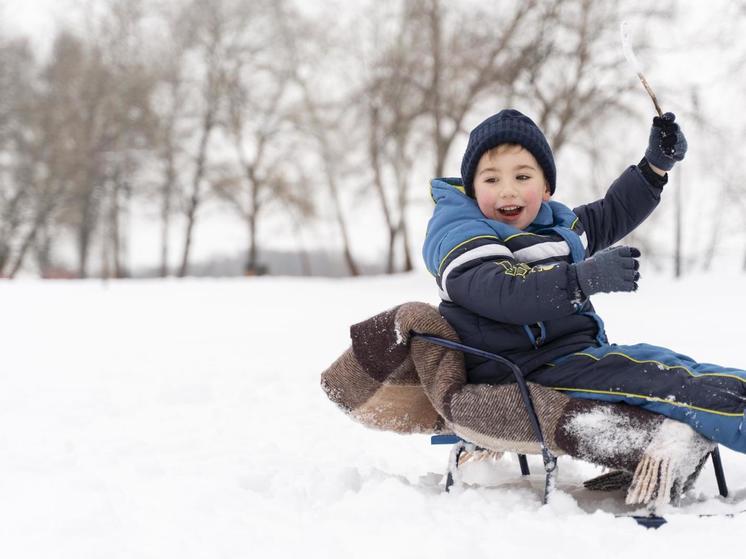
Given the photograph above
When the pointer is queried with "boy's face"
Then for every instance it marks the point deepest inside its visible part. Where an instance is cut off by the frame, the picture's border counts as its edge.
(509, 185)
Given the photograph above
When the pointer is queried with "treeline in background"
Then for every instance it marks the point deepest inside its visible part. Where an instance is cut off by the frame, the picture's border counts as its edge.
(318, 125)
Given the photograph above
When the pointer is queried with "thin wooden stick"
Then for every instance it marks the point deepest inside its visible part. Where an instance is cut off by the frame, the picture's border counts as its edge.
(650, 92)
(629, 54)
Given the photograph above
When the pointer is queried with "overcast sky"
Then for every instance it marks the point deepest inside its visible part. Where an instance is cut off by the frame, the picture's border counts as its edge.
(33, 17)
(685, 55)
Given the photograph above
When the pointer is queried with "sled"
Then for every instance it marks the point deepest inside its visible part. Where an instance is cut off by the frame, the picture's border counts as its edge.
(394, 377)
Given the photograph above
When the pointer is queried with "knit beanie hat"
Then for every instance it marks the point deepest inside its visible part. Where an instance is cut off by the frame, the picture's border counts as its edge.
(507, 127)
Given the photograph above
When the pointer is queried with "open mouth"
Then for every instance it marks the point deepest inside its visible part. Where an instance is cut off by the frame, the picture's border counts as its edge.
(510, 211)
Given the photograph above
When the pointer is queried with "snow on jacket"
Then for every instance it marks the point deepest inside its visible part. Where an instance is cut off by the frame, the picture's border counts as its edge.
(512, 291)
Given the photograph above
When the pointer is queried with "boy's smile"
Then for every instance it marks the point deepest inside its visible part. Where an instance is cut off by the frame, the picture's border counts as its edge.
(509, 185)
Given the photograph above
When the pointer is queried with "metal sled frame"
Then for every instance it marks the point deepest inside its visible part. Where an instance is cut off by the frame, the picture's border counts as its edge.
(550, 460)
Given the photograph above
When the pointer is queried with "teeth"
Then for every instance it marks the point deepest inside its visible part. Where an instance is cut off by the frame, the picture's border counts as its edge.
(509, 208)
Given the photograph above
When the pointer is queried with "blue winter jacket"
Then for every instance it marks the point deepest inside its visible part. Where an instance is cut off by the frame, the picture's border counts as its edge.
(513, 291)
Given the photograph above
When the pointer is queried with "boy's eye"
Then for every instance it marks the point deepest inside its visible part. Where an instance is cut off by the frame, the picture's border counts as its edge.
(490, 180)
(523, 177)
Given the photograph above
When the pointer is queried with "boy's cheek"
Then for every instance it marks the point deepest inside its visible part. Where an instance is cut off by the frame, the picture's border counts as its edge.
(485, 203)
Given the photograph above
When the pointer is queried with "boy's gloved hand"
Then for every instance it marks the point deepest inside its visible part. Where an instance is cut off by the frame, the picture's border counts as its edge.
(666, 144)
(611, 269)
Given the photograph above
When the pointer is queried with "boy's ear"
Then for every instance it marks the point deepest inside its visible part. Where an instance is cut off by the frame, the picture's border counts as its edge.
(547, 193)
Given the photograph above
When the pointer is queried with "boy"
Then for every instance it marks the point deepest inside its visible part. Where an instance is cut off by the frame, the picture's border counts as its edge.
(516, 269)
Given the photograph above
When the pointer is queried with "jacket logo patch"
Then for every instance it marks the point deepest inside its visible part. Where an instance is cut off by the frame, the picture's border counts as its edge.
(522, 270)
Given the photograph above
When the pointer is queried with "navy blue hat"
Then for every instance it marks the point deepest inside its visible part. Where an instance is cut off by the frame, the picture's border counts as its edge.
(507, 127)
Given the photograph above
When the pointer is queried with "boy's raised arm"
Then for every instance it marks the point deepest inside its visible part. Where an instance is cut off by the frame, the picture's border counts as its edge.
(635, 194)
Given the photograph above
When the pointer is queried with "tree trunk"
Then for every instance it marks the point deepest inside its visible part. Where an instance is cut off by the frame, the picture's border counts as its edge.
(195, 198)
(331, 181)
(408, 266)
(106, 258)
(375, 161)
(47, 202)
(90, 208)
(441, 148)
(305, 261)
(116, 232)
(84, 237)
(251, 267)
(190, 216)
(251, 264)
(43, 244)
(120, 222)
(166, 197)
(351, 264)
(4, 256)
(12, 222)
(401, 167)
(22, 252)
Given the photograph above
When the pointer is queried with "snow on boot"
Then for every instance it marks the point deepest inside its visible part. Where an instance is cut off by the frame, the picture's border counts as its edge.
(661, 455)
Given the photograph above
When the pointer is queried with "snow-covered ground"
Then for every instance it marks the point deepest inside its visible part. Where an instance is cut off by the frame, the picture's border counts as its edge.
(185, 419)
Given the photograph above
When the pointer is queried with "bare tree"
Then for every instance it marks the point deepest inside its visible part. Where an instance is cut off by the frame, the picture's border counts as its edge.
(485, 61)
(427, 75)
(44, 167)
(123, 49)
(75, 82)
(396, 103)
(16, 88)
(217, 44)
(250, 97)
(97, 94)
(171, 119)
(319, 115)
(259, 125)
(208, 29)
(584, 77)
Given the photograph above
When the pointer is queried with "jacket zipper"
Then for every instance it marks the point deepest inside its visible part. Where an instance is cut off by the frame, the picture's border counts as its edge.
(536, 341)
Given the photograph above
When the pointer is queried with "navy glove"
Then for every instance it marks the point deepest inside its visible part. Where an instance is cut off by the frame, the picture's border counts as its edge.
(666, 144)
(611, 269)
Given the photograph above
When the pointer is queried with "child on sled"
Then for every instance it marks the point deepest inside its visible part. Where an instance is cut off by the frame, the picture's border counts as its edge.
(516, 270)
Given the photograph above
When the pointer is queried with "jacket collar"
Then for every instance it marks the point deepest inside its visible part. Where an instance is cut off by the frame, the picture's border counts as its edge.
(551, 214)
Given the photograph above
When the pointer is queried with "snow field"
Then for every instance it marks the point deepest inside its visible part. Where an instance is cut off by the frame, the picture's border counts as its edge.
(185, 419)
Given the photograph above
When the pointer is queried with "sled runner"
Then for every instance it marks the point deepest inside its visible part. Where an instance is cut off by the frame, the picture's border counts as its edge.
(460, 445)
(651, 521)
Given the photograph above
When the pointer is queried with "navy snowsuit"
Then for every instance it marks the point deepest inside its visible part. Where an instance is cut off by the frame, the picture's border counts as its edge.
(512, 292)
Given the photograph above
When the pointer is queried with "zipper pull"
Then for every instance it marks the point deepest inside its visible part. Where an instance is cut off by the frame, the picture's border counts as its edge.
(540, 337)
